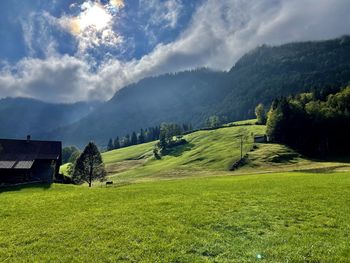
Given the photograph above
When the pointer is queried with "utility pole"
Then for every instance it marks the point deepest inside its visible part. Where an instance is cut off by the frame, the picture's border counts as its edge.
(241, 147)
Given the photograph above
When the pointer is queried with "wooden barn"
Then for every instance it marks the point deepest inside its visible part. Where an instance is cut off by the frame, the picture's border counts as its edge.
(23, 161)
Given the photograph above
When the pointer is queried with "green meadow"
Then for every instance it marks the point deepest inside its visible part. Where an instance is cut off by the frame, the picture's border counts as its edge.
(278, 217)
(206, 153)
(187, 207)
(209, 153)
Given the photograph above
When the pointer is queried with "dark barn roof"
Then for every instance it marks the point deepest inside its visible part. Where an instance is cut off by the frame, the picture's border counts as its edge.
(21, 154)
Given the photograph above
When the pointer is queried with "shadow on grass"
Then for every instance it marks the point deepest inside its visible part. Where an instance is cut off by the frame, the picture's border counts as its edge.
(179, 150)
(338, 159)
(330, 159)
(12, 188)
(321, 169)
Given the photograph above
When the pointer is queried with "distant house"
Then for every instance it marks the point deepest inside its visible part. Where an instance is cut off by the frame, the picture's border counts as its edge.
(24, 161)
(260, 138)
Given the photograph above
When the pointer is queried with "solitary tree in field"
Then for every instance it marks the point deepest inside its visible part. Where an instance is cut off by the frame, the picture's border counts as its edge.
(89, 166)
(260, 114)
(243, 139)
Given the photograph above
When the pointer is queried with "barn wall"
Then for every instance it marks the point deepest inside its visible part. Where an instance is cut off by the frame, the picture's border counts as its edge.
(44, 170)
(14, 176)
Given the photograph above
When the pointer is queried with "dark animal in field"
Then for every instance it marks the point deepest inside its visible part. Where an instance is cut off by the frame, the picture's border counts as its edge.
(109, 183)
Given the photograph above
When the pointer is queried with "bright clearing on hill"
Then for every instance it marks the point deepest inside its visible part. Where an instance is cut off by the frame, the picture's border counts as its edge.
(289, 217)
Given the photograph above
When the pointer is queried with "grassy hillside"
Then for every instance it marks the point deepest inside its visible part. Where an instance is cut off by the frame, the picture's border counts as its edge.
(206, 152)
(276, 158)
(289, 217)
(209, 153)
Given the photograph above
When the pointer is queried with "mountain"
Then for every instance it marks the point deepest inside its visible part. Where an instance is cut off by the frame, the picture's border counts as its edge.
(261, 75)
(21, 116)
(182, 97)
(269, 72)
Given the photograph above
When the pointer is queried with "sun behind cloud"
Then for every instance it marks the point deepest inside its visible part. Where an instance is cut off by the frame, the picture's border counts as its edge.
(93, 26)
(92, 15)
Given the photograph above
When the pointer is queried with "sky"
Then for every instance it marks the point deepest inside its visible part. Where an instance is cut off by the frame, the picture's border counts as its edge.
(64, 51)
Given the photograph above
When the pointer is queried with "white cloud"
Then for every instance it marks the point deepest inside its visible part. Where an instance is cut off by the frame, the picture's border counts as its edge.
(162, 13)
(36, 33)
(219, 33)
(222, 31)
(61, 79)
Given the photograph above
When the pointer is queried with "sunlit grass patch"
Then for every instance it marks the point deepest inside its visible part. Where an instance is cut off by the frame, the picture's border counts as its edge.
(293, 217)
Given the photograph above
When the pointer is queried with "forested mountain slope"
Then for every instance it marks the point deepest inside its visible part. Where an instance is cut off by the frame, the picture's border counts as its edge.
(270, 72)
(259, 76)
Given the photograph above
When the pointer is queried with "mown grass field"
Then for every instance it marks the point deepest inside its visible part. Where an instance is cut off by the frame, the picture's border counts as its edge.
(277, 217)
(262, 212)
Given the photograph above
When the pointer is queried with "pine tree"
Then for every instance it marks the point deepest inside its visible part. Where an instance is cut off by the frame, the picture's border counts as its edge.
(163, 138)
(133, 139)
(116, 143)
(141, 138)
(277, 121)
(89, 166)
(110, 145)
(148, 134)
(184, 127)
(154, 133)
(126, 141)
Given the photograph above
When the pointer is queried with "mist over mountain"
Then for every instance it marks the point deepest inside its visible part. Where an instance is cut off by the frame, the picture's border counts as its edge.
(186, 97)
(21, 116)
